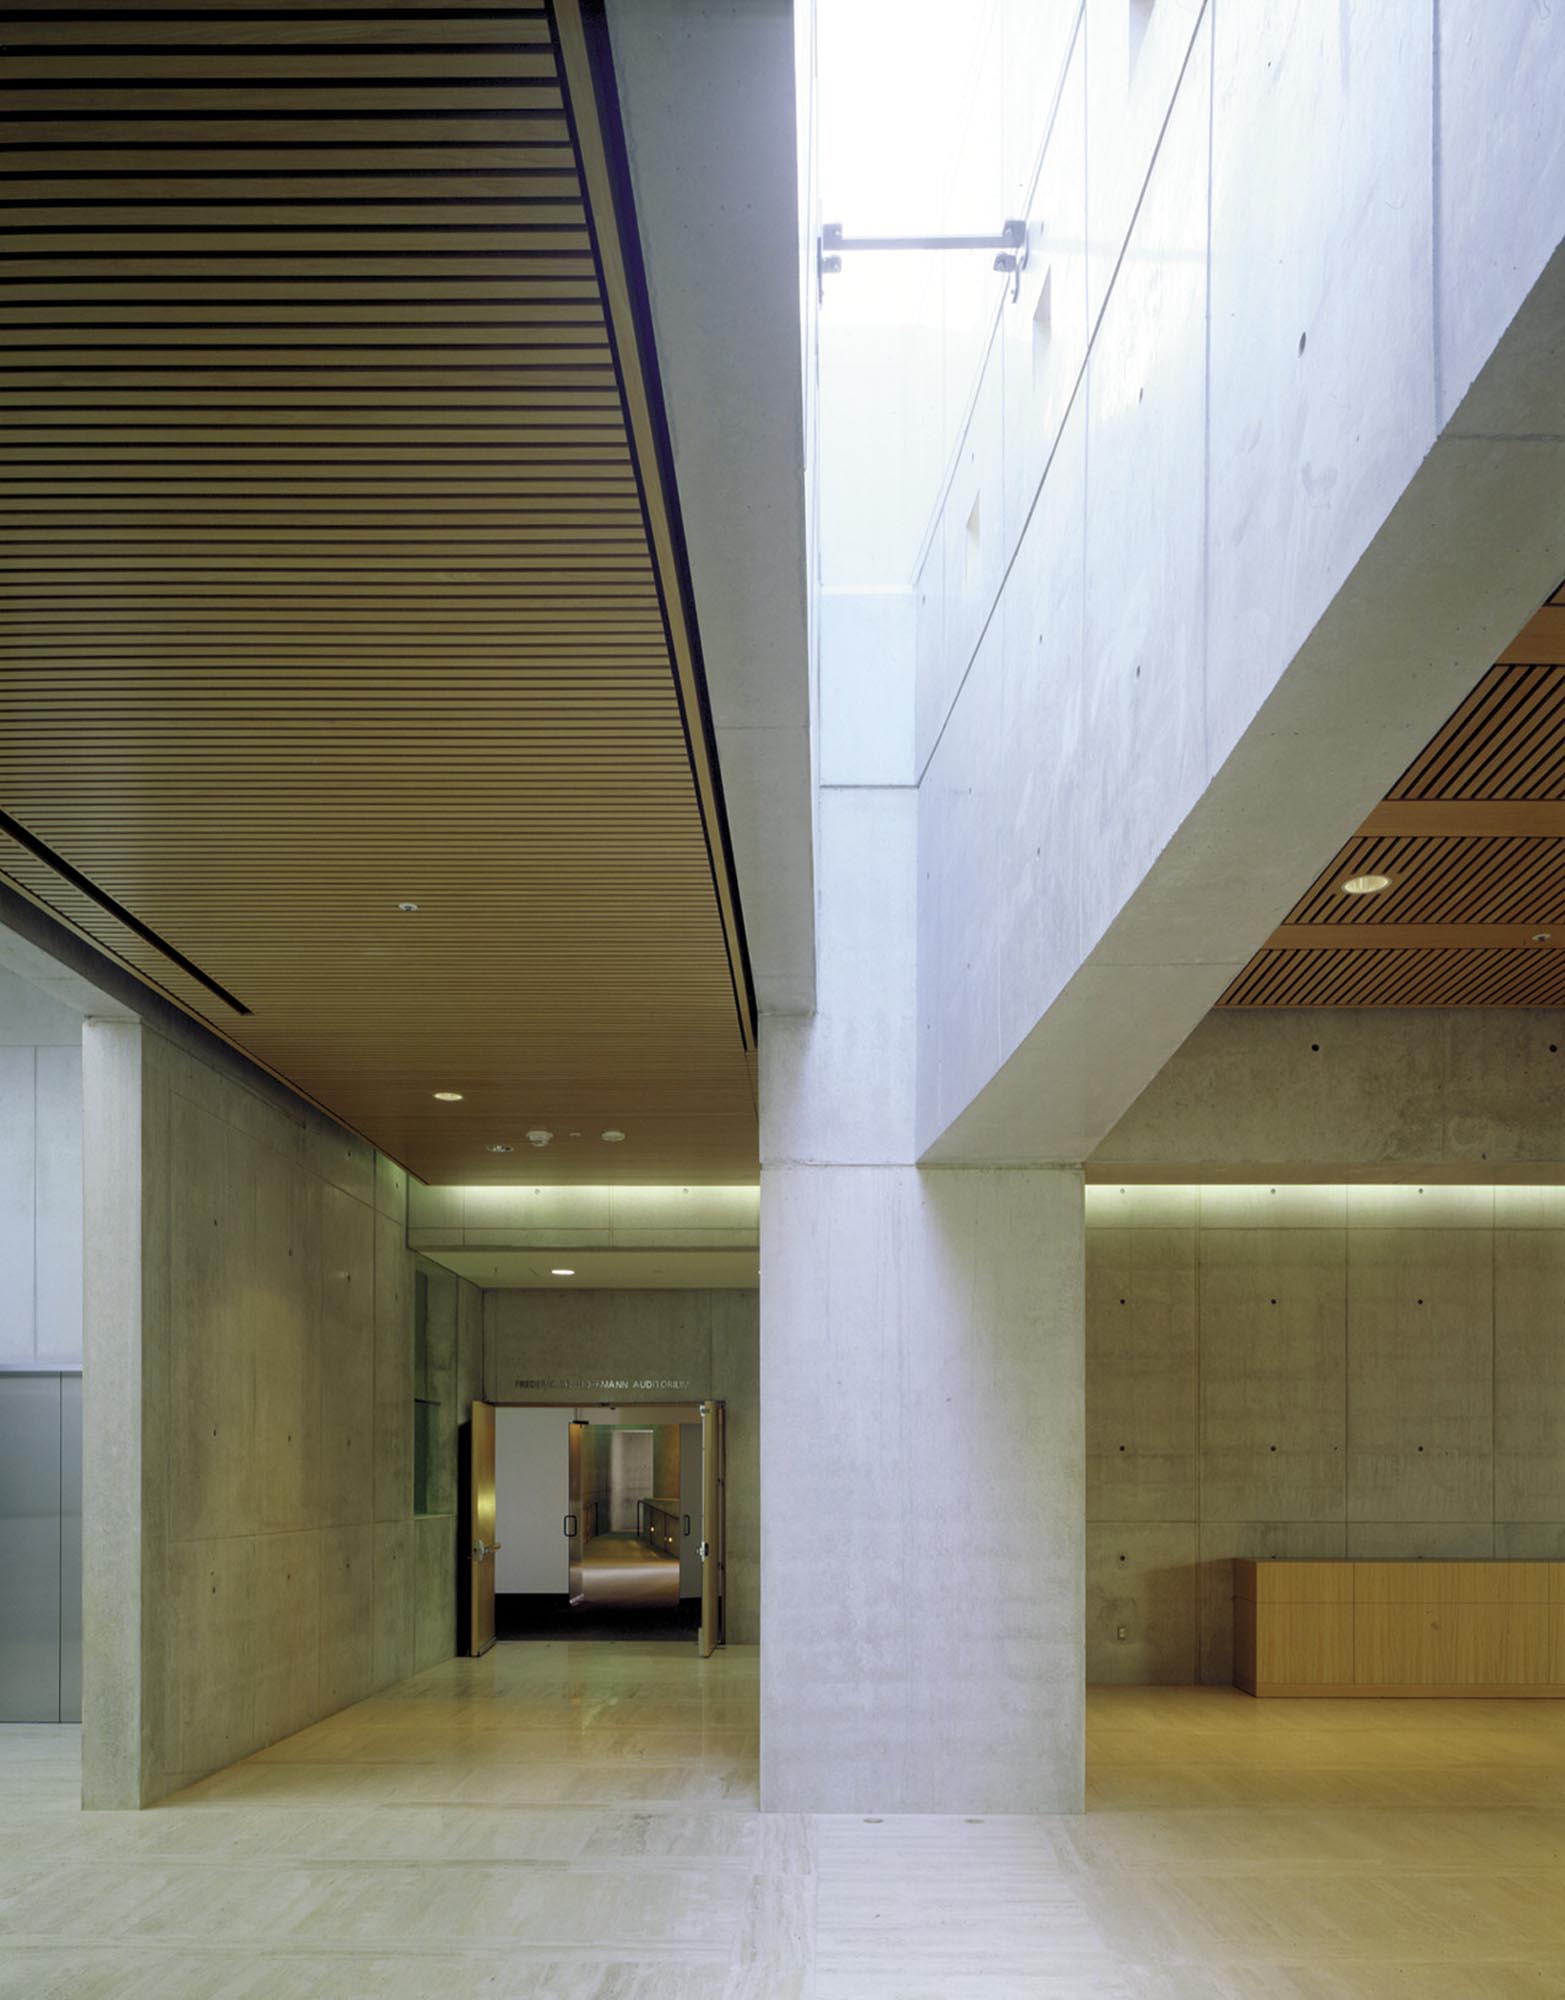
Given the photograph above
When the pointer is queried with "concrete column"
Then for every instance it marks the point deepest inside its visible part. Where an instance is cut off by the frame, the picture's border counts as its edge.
(922, 1496)
(922, 1481)
(121, 1550)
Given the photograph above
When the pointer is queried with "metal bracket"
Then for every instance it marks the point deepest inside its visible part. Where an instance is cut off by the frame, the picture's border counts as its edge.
(1011, 244)
(1015, 260)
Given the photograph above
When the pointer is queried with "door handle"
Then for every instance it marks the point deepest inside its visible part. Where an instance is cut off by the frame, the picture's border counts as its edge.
(704, 1551)
(569, 1525)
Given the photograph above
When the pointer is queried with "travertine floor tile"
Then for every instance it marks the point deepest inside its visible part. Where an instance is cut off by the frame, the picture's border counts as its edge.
(579, 1823)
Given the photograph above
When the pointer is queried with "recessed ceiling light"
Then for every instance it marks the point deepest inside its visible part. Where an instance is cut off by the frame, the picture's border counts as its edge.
(562, 1271)
(1365, 885)
(613, 1137)
(538, 1136)
(407, 909)
(1541, 937)
(498, 1149)
(449, 1096)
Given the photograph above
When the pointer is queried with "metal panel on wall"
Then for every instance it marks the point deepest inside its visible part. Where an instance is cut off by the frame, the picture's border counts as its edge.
(30, 1548)
(70, 1548)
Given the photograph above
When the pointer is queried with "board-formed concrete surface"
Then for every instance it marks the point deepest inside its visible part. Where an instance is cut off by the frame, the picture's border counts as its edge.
(1352, 1093)
(252, 1556)
(575, 1822)
(1300, 1371)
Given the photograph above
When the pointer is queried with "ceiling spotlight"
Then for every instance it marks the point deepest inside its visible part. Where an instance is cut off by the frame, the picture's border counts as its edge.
(1541, 937)
(498, 1149)
(407, 909)
(448, 1096)
(539, 1137)
(562, 1271)
(614, 1138)
(1365, 885)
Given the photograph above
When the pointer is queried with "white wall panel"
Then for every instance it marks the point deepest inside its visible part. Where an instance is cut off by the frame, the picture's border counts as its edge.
(532, 1496)
(58, 1218)
(17, 1203)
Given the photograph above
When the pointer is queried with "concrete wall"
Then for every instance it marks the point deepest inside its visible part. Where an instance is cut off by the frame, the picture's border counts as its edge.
(1467, 1094)
(1240, 492)
(252, 1559)
(40, 1179)
(646, 1347)
(1302, 1370)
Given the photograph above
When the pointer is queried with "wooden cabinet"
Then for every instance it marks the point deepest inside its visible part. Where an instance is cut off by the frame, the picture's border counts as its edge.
(1399, 1628)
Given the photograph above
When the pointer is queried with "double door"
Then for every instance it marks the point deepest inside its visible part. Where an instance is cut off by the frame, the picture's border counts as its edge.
(578, 1527)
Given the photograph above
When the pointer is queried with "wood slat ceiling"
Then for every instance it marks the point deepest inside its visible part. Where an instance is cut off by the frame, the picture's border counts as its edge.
(1473, 838)
(339, 569)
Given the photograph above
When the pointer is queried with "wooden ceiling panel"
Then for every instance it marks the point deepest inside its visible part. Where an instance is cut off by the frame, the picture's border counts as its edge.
(339, 569)
(1472, 839)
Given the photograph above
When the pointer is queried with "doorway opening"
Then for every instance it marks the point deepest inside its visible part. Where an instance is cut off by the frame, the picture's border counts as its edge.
(594, 1522)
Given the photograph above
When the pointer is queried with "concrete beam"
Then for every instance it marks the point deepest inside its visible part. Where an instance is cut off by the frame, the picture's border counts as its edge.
(1349, 1094)
(706, 90)
(603, 1218)
(1464, 558)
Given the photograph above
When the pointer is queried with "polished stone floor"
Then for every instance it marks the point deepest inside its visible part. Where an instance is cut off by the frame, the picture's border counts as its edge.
(579, 1823)
(621, 1569)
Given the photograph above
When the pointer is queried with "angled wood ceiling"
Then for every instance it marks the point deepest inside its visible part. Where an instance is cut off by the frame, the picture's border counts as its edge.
(340, 568)
(1472, 837)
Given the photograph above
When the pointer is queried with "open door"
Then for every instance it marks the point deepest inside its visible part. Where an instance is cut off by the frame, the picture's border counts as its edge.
(481, 1528)
(575, 1523)
(712, 1491)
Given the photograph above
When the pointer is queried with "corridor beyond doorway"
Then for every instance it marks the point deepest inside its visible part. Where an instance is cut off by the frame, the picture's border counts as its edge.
(629, 1592)
(622, 1569)
(599, 1522)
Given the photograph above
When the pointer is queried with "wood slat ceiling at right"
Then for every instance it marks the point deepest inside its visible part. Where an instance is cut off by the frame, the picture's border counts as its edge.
(1472, 837)
(331, 579)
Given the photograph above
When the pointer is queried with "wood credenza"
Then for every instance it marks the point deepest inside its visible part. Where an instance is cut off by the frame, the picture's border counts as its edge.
(1399, 1628)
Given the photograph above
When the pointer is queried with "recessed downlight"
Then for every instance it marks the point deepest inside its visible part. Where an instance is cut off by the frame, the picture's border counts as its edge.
(448, 1096)
(613, 1137)
(499, 1149)
(408, 909)
(539, 1136)
(562, 1271)
(1365, 885)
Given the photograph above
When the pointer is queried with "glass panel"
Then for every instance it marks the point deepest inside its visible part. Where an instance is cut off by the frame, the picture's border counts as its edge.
(426, 1455)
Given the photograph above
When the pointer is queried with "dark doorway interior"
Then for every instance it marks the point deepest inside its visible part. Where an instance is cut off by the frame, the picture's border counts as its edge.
(518, 1616)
